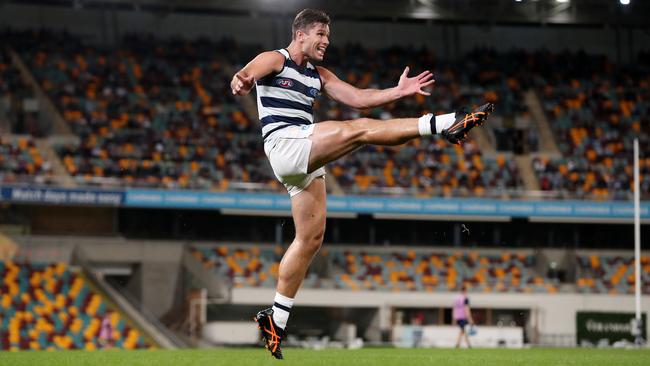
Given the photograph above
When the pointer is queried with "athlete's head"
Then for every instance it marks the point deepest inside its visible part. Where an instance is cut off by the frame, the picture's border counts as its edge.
(311, 31)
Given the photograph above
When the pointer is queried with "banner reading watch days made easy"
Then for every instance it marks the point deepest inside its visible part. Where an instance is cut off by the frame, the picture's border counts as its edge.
(489, 208)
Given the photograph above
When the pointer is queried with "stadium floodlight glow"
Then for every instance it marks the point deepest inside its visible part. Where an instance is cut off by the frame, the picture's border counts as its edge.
(625, 2)
(562, 1)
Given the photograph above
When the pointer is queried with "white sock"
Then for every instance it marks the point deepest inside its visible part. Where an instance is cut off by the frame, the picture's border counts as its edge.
(281, 308)
(424, 125)
(443, 121)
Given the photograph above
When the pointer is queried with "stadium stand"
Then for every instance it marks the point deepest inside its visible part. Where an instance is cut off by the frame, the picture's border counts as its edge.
(246, 266)
(411, 271)
(52, 307)
(21, 161)
(150, 116)
(427, 166)
(257, 266)
(161, 118)
(596, 110)
(612, 274)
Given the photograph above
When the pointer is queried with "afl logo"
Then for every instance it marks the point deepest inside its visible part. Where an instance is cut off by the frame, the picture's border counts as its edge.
(284, 83)
(313, 92)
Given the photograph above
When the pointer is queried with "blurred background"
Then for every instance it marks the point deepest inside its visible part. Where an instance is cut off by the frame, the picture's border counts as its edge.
(135, 191)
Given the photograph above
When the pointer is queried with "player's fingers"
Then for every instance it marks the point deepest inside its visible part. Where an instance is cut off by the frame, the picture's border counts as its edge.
(426, 77)
(422, 92)
(406, 71)
(244, 79)
(424, 74)
(430, 82)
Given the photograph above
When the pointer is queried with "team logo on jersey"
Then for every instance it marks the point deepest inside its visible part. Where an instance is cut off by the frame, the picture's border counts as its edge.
(284, 83)
(313, 92)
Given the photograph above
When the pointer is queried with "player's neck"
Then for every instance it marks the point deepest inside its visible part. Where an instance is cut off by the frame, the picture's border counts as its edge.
(296, 54)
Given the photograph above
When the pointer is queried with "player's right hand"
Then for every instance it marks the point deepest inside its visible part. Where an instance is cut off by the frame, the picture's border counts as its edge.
(241, 85)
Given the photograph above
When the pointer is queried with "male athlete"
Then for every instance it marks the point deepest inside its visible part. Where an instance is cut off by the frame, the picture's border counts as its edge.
(287, 84)
(462, 315)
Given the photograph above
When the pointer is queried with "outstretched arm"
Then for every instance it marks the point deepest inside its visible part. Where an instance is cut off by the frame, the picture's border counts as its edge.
(265, 63)
(345, 93)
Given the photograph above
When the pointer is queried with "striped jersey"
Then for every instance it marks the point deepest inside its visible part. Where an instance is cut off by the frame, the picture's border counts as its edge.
(286, 98)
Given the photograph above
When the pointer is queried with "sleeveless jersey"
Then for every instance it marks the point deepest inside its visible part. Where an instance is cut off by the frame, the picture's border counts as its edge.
(286, 98)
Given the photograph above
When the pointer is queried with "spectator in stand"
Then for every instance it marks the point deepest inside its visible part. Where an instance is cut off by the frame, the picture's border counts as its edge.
(106, 332)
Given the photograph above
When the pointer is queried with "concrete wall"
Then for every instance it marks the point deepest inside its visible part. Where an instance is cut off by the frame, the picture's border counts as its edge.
(556, 313)
(157, 263)
(106, 26)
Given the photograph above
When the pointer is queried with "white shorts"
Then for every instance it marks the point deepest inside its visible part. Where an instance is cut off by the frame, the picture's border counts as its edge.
(288, 151)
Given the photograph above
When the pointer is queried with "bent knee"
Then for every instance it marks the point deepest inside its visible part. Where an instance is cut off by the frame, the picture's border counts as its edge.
(313, 243)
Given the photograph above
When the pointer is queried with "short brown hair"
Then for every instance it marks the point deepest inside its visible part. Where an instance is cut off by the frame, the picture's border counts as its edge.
(306, 18)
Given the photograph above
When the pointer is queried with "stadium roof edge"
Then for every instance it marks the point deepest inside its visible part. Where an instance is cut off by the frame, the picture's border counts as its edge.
(592, 13)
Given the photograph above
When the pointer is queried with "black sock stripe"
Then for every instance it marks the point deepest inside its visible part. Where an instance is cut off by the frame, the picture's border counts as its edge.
(280, 306)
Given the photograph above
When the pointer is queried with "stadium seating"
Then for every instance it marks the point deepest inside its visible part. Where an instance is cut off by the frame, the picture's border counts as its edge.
(159, 117)
(432, 167)
(21, 162)
(150, 116)
(611, 274)
(246, 266)
(253, 266)
(411, 271)
(428, 166)
(596, 110)
(52, 307)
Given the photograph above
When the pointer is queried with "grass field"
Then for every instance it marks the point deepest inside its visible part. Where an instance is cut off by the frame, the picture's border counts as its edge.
(370, 357)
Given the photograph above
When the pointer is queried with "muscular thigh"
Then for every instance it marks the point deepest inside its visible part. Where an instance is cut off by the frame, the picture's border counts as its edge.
(331, 140)
(309, 210)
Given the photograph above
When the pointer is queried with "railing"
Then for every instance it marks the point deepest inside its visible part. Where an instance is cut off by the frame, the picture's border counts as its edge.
(80, 258)
(152, 319)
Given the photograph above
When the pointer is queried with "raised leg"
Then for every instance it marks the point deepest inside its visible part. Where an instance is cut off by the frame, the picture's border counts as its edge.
(334, 139)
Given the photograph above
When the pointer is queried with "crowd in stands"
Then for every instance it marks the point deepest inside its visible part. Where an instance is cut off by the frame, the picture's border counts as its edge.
(428, 166)
(254, 266)
(157, 113)
(22, 162)
(162, 117)
(156, 116)
(247, 267)
(52, 307)
(427, 271)
(411, 271)
(611, 274)
(596, 109)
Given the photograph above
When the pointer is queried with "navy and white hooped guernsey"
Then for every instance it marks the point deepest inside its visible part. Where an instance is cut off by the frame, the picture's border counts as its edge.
(286, 98)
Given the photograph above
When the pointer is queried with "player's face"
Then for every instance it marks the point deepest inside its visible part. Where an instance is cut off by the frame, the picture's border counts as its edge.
(316, 41)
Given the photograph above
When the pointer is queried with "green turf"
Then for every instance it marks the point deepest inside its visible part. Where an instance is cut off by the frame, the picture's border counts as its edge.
(370, 357)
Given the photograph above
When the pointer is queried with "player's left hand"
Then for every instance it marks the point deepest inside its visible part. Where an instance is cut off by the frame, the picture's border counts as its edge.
(413, 85)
